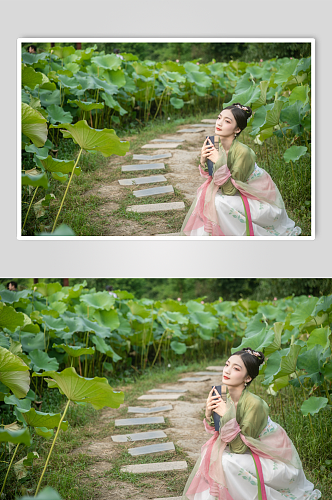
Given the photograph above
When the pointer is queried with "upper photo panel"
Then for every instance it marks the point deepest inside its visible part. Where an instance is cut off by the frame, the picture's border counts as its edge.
(166, 139)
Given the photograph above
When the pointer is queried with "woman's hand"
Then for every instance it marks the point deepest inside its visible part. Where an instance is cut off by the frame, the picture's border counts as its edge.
(209, 152)
(215, 403)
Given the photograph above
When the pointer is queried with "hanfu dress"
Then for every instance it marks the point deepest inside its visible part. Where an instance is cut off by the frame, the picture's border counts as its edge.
(239, 199)
(250, 457)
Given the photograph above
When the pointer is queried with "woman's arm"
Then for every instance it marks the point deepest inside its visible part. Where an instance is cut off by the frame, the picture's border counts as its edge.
(252, 423)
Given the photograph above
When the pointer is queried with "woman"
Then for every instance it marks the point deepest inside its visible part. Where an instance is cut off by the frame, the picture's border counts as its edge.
(251, 456)
(248, 201)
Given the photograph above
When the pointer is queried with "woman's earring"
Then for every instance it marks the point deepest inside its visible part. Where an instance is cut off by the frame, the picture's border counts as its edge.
(245, 384)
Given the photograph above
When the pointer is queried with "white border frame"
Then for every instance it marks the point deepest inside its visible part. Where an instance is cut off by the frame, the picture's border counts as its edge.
(165, 40)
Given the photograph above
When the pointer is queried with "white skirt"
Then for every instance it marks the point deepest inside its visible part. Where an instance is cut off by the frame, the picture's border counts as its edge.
(281, 481)
(267, 220)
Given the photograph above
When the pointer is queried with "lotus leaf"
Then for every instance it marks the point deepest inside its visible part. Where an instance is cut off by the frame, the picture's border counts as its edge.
(303, 65)
(294, 153)
(56, 114)
(303, 312)
(99, 300)
(173, 306)
(105, 141)
(299, 93)
(33, 125)
(178, 347)
(245, 98)
(323, 304)
(41, 361)
(319, 336)
(63, 52)
(40, 419)
(31, 341)
(262, 98)
(73, 67)
(9, 318)
(87, 106)
(47, 98)
(105, 348)
(177, 103)
(44, 432)
(276, 344)
(30, 77)
(4, 342)
(14, 373)
(288, 362)
(116, 78)
(285, 72)
(96, 391)
(28, 58)
(312, 362)
(313, 405)
(75, 350)
(62, 230)
(109, 319)
(21, 403)
(107, 61)
(204, 320)
(175, 317)
(113, 104)
(15, 437)
(54, 165)
(273, 115)
(10, 296)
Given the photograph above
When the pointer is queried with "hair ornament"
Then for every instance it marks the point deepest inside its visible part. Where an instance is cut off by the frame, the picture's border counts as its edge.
(244, 108)
(254, 353)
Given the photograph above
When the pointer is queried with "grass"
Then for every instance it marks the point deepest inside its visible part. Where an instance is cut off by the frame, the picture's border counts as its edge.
(71, 473)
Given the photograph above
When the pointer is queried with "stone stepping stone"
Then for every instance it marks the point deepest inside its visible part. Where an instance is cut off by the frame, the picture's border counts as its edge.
(142, 180)
(156, 207)
(209, 120)
(169, 498)
(142, 409)
(194, 379)
(142, 166)
(191, 130)
(138, 436)
(168, 234)
(156, 467)
(139, 421)
(215, 368)
(151, 448)
(168, 390)
(198, 125)
(153, 157)
(153, 191)
(167, 140)
(209, 373)
(160, 396)
(164, 145)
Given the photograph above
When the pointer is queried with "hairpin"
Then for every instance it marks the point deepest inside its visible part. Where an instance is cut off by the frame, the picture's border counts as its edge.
(244, 108)
(254, 353)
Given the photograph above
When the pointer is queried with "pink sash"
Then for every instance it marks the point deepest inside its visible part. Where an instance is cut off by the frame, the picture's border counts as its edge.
(210, 473)
(205, 214)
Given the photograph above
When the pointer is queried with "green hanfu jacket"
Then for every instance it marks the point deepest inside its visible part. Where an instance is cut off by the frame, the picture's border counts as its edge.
(251, 415)
(241, 163)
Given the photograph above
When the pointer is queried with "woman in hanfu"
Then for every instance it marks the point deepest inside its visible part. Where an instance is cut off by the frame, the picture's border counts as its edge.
(251, 457)
(240, 198)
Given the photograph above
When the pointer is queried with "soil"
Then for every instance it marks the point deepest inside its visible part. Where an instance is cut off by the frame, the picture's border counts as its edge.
(184, 427)
(181, 172)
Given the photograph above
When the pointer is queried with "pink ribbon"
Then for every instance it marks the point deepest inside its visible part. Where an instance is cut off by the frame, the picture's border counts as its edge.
(204, 477)
(205, 214)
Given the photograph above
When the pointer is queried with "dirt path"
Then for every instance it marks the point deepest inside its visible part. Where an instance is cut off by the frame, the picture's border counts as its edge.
(181, 172)
(183, 426)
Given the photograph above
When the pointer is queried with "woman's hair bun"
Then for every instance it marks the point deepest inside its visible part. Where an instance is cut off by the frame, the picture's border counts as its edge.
(257, 354)
(245, 109)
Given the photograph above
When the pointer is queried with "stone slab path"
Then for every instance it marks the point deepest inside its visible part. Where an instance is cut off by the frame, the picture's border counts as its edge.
(153, 191)
(156, 467)
(167, 140)
(157, 207)
(168, 390)
(142, 409)
(194, 379)
(142, 166)
(191, 131)
(139, 421)
(138, 436)
(215, 368)
(152, 157)
(160, 396)
(151, 448)
(209, 120)
(142, 180)
(164, 145)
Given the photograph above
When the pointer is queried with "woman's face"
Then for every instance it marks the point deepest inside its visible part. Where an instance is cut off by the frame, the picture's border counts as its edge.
(226, 125)
(235, 373)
